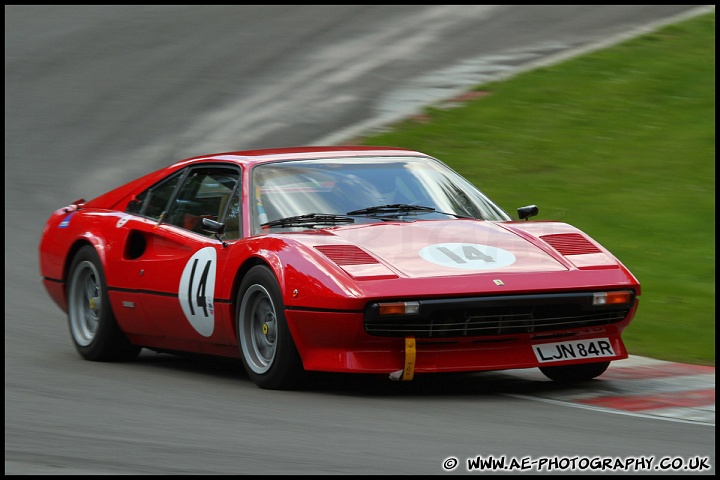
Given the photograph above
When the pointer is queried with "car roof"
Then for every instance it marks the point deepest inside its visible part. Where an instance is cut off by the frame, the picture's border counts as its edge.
(250, 157)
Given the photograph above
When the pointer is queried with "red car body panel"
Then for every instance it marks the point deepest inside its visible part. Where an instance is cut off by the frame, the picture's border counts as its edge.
(328, 276)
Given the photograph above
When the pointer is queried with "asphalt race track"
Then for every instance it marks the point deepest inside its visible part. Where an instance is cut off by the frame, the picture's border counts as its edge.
(97, 95)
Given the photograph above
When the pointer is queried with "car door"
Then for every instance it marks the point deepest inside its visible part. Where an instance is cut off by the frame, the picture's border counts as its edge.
(181, 261)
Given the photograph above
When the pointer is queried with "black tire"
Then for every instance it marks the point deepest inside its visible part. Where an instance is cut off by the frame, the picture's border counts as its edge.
(93, 328)
(575, 373)
(266, 345)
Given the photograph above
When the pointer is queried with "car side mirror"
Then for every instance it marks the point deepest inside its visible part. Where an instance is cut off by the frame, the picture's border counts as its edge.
(527, 212)
(218, 228)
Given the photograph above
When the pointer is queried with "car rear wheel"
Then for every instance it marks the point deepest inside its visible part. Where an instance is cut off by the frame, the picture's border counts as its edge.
(575, 373)
(94, 331)
(268, 351)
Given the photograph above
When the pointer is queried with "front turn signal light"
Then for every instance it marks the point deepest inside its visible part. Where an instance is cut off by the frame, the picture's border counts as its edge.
(612, 298)
(399, 308)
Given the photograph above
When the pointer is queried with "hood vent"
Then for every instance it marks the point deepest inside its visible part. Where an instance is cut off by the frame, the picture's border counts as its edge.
(570, 243)
(344, 255)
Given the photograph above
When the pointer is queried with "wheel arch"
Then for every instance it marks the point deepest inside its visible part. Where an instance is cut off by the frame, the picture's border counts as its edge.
(242, 271)
(96, 242)
(71, 253)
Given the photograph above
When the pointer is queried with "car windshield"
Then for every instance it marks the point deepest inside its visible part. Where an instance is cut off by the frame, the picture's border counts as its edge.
(369, 189)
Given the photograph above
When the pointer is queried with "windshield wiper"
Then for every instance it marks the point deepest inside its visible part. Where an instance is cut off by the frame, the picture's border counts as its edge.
(399, 209)
(392, 208)
(309, 219)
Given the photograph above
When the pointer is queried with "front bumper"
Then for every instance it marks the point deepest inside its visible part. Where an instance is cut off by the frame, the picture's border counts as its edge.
(338, 342)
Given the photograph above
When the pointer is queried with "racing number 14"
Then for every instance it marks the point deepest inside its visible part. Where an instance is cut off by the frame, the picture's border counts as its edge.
(197, 289)
(200, 296)
(470, 252)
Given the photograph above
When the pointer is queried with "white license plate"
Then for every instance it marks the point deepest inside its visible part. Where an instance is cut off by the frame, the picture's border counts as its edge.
(574, 350)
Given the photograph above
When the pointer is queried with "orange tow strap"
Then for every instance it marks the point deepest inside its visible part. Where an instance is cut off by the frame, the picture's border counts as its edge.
(409, 369)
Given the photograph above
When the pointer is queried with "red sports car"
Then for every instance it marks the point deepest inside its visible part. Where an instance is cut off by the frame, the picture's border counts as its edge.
(371, 260)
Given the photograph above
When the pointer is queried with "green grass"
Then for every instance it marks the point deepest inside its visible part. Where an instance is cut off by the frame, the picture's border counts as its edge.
(620, 143)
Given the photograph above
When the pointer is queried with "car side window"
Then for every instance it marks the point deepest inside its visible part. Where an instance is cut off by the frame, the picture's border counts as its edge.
(204, 193)
(154, 201)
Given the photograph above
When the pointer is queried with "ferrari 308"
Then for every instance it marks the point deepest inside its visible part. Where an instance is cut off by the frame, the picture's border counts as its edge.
(372, 260)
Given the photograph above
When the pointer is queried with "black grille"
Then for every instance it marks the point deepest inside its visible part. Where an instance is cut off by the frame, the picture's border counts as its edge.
(494, 316)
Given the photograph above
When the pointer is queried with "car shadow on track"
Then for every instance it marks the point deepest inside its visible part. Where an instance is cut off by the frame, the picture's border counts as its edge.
(221, 367)
(442, 384)
(527, 382)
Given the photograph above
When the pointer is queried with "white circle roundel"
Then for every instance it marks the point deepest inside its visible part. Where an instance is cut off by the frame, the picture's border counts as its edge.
(468, 256)
(197, 290)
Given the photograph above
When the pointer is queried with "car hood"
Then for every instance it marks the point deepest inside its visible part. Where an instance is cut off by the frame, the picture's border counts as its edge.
(459, 247)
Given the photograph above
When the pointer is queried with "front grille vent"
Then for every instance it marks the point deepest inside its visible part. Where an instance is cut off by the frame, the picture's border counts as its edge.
(495, 316)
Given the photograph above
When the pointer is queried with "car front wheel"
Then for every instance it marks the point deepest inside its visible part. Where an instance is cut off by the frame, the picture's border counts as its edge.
(575, 373)
(268, 351)
(94, 331)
